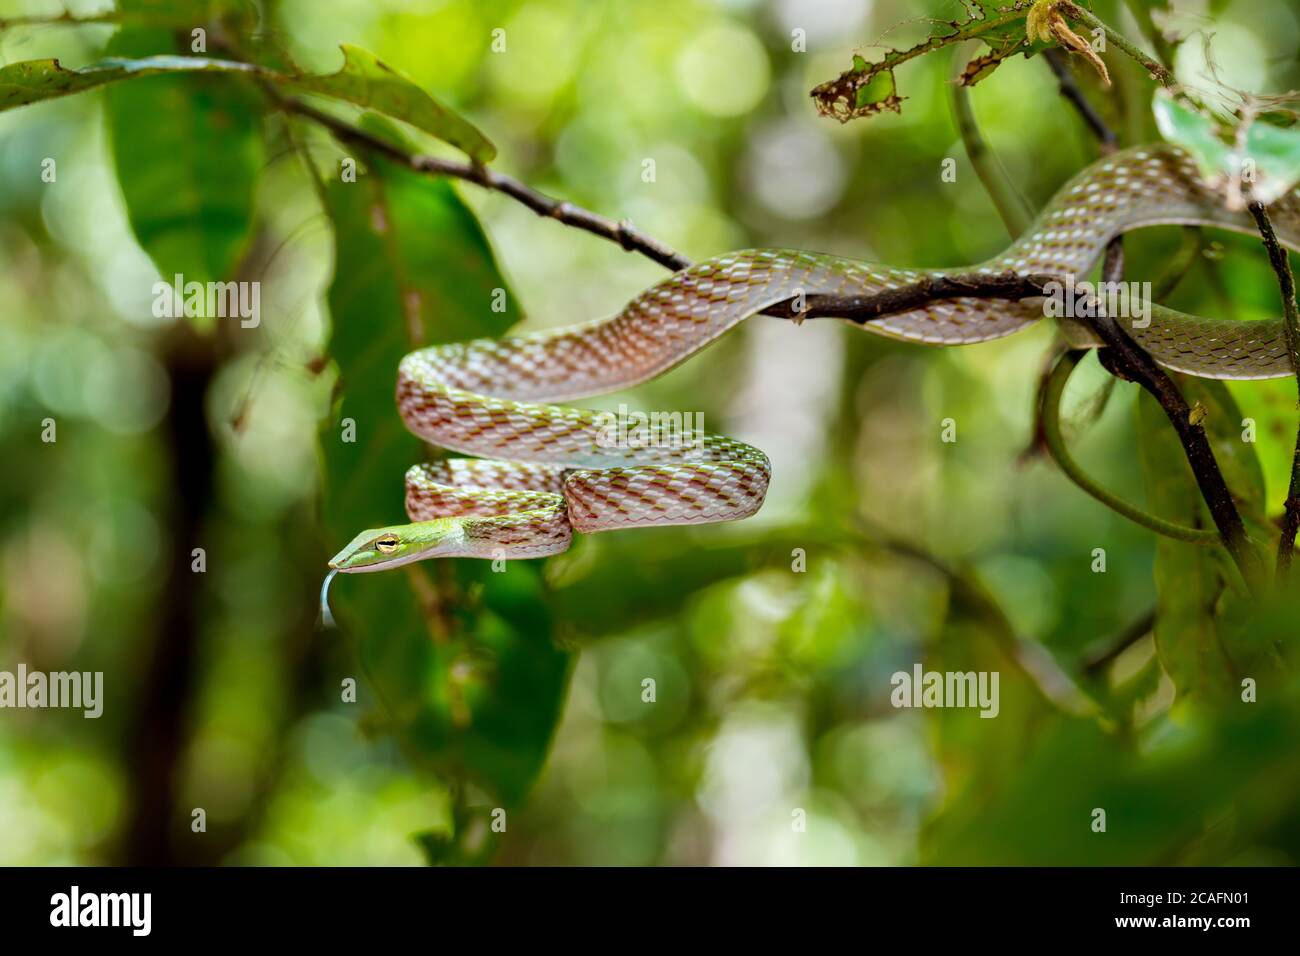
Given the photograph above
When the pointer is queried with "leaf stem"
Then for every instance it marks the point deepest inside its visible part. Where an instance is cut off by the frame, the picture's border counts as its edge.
(1055, 441)
(1012, 207)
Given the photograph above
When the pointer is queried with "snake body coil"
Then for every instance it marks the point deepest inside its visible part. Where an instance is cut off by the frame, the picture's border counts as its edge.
(553, 473)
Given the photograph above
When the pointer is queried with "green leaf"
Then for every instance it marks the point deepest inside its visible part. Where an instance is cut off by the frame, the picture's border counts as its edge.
(189, 182)
(461, 659)
(1179, 123)
(1276, 152)
(368, 82)
(877, 93)
(32, 81)
(1267, 162)
(869, 88)
(364, 81)
(981, 67)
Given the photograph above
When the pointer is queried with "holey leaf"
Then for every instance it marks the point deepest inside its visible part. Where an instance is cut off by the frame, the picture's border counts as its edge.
(867, 88)
(1260, 162)
(459, 658)
(363, 81)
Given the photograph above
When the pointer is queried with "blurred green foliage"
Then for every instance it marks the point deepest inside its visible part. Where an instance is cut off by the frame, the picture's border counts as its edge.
(770, 644)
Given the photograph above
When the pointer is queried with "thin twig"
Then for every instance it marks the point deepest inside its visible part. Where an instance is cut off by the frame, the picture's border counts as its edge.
(61, 19)
(619, 231)
(1139, 629)
(1107, 141)
(1158, 72)
(1176, 269)
(1277, 257)
(1127, 359)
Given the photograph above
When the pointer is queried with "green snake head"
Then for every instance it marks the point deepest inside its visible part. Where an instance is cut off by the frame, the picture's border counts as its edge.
(382, 548)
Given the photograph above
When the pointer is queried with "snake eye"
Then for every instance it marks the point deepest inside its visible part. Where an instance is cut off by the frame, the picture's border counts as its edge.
(386, 544)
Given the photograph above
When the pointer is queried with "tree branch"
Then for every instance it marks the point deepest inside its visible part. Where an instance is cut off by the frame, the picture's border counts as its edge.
(1011, 286)
(1277, 257)
(1177, 267)
(620, 231)
(1125, 358)
(857, 308)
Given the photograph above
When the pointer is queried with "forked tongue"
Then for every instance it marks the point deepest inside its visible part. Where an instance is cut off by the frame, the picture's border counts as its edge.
(326, 618)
